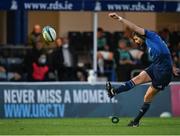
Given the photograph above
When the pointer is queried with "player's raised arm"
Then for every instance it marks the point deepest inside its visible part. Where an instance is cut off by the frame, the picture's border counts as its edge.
(131, 25)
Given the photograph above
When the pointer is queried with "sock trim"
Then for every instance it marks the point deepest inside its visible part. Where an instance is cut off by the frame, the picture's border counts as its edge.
(147, 102)
(132, 82)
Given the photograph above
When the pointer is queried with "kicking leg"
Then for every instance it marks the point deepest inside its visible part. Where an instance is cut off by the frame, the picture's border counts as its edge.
(151, 92)
(143, 77)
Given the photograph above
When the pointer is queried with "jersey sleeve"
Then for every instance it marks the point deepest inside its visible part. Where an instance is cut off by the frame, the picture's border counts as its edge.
(150, 34)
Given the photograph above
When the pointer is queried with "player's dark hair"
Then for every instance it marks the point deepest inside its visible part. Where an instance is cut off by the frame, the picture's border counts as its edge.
(139, 35)
(143, 47)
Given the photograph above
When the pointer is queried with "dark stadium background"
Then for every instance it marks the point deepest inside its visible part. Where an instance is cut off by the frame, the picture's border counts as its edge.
(62, 100)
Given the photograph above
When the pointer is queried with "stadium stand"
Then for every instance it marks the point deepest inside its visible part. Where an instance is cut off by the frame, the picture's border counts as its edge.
(12, 57)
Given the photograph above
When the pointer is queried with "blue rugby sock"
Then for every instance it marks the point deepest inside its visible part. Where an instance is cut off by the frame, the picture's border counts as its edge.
(125, 87)
(142, 111)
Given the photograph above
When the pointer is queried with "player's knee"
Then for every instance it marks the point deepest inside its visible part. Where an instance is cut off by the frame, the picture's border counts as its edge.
(138, 79)
(141, 78)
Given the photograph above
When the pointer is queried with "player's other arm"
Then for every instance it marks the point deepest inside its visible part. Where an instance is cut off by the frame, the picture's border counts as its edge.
(131, 25)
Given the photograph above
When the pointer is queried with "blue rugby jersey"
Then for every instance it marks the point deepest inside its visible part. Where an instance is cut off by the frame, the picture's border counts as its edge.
(158, 49)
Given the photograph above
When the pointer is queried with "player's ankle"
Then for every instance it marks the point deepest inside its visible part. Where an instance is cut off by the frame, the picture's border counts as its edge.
(136, 121)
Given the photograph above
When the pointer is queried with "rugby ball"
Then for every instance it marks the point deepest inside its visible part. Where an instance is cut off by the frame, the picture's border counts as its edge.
(49, 34)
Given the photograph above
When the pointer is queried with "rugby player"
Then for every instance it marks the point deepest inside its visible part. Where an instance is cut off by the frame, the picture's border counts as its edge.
(159, 72)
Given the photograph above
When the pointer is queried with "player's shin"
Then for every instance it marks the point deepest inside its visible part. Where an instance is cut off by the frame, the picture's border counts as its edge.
(142, 111)
(125, 87)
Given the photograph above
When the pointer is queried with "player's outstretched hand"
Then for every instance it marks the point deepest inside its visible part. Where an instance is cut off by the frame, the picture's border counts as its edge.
(115, 16)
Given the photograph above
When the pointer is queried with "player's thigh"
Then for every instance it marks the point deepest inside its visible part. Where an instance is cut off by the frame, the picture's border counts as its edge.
(143, 77)
(151, 92)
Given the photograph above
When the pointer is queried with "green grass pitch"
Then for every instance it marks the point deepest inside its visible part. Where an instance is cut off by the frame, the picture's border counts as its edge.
(88, 126)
